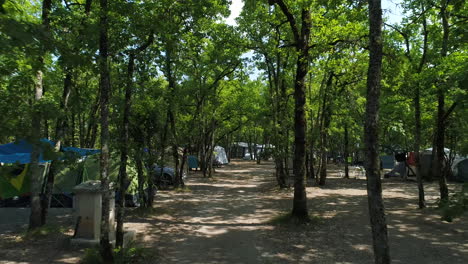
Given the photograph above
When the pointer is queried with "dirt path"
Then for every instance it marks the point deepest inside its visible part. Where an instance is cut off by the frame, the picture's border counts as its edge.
(227, 219)
(218, 221)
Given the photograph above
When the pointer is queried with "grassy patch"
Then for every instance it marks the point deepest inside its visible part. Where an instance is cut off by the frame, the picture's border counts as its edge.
(184, 189)
(456, 206)
(133, 253)
(287, 219)
(43, 231)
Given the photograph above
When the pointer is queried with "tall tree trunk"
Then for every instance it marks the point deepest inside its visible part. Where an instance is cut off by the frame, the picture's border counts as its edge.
(175, 152)
(105, 246)
(35, 218)
(417, 117)
(300, 198)
(172, 101)
(346, 151)
(326, 117)
(182, 165)
(141, 178)
(301, 39)
(59, 136)
(35, 170)
(151, 163)
(72, 130)
(124, 152)
(163, 148)
(374, 185)
(440, 139)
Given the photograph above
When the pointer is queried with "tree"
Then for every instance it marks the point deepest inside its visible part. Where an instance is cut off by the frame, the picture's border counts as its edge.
(301, 43)
(105, 246)
(35, 219)
(125, 138)
(374, 185)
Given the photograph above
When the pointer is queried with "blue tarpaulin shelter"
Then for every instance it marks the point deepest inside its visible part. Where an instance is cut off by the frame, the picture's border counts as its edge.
(14, 177)
(20, 151)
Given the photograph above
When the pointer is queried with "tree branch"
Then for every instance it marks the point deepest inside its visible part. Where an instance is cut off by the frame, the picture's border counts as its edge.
(289, 16)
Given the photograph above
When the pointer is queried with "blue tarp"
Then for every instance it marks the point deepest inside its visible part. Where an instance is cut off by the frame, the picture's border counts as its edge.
(388, 162)
(20, 152)
(192, 162)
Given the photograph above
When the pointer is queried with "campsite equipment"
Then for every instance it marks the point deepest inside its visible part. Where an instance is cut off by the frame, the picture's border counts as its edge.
(192, 162)
(388, 161)
(460, 170)
(89, 210)
(75, 165)
(164, 177)
(220, 156)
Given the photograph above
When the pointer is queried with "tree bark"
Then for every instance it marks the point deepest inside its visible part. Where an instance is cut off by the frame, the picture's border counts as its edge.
(326, 118)
(124, 140)
(440, 139)
(301, 39)
(34, 169)
(417, 117)
(105, 246)
(35, 218)
(374, 186)
(346, 151)
(124, 152)
(59, 137)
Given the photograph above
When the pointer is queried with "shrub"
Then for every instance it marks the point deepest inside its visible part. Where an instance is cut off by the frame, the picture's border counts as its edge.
(456, 205)
(131, 254)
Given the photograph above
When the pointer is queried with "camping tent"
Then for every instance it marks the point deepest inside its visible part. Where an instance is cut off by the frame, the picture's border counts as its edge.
(15, 158)
(220, 155)
(460, 170)
(20, 152)
(87, 169)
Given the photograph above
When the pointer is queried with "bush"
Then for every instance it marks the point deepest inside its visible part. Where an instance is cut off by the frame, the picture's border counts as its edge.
(131, 254)
(456, 205)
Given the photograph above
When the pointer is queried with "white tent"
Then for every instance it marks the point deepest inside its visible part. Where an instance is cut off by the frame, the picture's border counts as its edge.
(220, 155)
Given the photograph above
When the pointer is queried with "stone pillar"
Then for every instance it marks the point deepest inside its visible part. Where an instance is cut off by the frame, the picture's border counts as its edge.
(88, 210)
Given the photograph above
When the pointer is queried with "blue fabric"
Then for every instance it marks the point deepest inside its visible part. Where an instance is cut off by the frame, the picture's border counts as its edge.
(81, 151)
(388, 162)
(192, 162)
(20, 152)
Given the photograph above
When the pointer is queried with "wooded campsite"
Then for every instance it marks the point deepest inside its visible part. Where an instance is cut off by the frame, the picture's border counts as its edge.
(229, 131)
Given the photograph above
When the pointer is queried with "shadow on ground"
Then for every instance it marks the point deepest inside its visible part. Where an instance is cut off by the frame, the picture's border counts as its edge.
(227, 219)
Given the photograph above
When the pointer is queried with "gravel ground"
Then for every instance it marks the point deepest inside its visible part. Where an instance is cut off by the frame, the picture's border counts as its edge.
(227, 219)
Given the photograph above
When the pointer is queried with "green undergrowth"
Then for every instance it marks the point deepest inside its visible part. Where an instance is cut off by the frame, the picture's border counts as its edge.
(43, 231)
(456, 205)
(184, 189)
(133, 253)
(287, 219)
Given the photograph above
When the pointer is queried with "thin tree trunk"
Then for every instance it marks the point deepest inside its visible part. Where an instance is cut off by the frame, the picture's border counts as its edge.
(440, 139)
(417, 117)
(124, 152)
(175, 153)
(171, 115)
(35, 218)
(152, 172)
(59, 136)
(346, 151)
(374, 185)
(105, 246)
(326, 116)
(35, 171)
(141, 178)
(182, 165)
